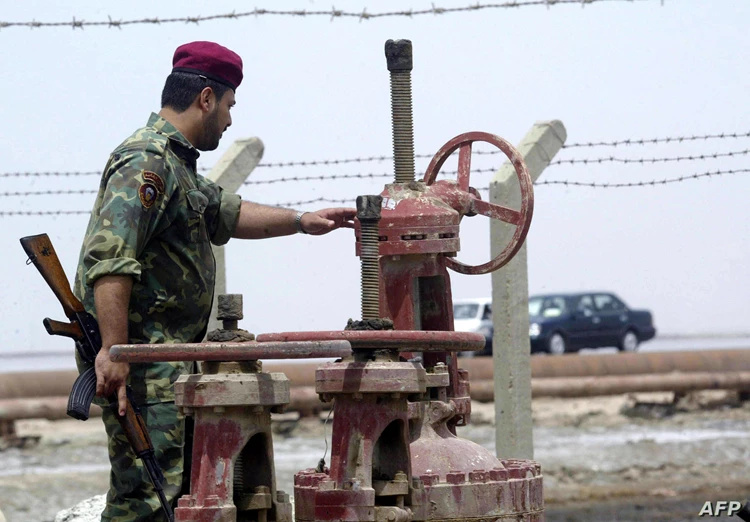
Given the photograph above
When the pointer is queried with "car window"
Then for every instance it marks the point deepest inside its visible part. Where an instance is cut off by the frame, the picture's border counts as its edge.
(465, 311)
(585, 304)
(553, 306)
(535, 306)
(487, 314)
(608, 303)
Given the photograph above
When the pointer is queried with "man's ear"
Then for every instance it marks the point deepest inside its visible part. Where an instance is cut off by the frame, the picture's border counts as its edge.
(206, 99)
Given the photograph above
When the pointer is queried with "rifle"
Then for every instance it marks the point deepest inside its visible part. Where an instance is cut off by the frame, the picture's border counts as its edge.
(84, 330)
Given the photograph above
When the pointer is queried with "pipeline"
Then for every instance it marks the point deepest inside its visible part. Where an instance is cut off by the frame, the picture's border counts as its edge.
(58, 383)
(50, 408)
(569, 387)
(305, 400)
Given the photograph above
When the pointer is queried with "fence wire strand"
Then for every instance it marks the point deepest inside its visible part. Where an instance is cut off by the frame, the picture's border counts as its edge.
(333, 13)
(649, 141)
(648, 183)
(612, 159)
(368, 159)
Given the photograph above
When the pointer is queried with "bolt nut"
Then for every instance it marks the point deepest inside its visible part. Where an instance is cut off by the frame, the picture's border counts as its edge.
(398, 54)
(368, 207)
(229, 307)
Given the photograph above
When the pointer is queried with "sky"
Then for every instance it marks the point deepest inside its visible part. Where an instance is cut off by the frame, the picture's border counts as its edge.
(317, 88)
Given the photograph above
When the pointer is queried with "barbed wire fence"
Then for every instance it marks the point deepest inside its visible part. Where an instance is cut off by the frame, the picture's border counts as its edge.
(333, 13)
(580, 161)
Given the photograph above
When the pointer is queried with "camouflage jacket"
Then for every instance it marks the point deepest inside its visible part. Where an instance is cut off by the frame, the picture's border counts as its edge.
(154, 219)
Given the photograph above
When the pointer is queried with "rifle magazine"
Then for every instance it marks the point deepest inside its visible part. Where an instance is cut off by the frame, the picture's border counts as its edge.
(81, 395)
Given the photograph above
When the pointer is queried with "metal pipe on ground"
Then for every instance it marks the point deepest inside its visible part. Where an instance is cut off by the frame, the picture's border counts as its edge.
(50, 408)
(58, 383)
(574, 365)
(568, 387)
(36, 384)
(304, 399)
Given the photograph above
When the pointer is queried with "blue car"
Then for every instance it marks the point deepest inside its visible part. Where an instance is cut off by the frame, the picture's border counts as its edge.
(561, 323)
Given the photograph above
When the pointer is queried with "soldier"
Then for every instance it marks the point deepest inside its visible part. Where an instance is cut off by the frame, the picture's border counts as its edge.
(146, 269)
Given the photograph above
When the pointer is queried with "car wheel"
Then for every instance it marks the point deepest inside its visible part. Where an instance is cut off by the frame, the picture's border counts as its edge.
(628, 342)
(556, 344)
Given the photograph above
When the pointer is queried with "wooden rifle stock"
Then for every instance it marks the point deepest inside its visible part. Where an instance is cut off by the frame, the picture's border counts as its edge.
(41, 252)
(84, 329)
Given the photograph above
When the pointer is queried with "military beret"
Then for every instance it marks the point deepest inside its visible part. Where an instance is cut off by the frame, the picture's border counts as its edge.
(211, 60)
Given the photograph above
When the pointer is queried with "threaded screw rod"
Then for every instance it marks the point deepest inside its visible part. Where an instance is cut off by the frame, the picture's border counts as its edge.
(398, 54)
(368, 213)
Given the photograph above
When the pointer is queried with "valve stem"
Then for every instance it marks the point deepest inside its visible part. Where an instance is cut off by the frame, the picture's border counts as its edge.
(399, 57)
(368, 213)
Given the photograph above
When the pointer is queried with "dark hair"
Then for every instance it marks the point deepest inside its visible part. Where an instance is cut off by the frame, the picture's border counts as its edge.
(181, 88)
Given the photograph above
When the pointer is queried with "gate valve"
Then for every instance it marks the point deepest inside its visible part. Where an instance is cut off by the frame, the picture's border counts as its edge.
(424, 217)
(467, 201)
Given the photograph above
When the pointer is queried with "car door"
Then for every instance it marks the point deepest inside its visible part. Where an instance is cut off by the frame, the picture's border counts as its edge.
(613, 317)
(584, 324)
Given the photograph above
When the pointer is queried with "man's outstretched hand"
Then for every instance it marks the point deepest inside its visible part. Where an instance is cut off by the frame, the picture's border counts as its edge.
(323, 221)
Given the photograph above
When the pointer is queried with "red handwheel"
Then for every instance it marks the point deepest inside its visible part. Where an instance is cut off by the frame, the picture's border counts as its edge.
(520, 218)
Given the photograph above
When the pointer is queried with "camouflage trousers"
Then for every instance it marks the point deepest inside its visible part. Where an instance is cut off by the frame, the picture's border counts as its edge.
(131, 496)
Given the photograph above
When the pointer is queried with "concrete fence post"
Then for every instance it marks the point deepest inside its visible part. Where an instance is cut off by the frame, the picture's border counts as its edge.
(230, 172)
(510, 300)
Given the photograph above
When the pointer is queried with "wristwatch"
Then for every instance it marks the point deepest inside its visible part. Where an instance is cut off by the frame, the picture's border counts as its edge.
(298, 222)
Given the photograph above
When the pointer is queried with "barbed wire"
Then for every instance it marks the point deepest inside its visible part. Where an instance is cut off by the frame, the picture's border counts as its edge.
(612, 159)
(650, 183)
(349, 176)
(387, 175)
(46, 193)
(50, 173)
(333, 13)
(643, 141)
(42, 212)
(647, 141)
(553, 182)
(317, 178)
(367, 159)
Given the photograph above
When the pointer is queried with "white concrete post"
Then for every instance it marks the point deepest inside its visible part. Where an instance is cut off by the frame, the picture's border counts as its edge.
(230, 172)
(510, 300)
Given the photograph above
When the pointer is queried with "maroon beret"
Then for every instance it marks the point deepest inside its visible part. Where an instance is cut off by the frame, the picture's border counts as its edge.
(211, 60)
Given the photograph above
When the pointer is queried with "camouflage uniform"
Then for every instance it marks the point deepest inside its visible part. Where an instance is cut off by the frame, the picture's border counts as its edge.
(154, 219)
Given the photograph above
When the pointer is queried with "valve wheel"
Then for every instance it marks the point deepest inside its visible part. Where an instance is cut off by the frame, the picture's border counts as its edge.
(520, 218)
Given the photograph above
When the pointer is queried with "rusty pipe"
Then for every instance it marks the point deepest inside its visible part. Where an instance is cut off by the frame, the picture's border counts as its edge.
(36, 384)
(304, 398)
(569, 387)
(302, 373)
(243, 351)
(574, 365)
(50, 408)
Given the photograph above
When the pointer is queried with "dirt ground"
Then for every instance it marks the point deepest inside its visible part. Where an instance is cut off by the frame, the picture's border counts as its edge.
(644, 457)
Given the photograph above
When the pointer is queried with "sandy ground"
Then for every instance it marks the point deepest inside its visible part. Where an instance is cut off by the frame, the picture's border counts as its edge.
(645, 457)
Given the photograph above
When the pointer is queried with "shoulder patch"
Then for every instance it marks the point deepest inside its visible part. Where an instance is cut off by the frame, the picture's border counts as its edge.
(147, 193)
(153, 178)
(151, 188)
